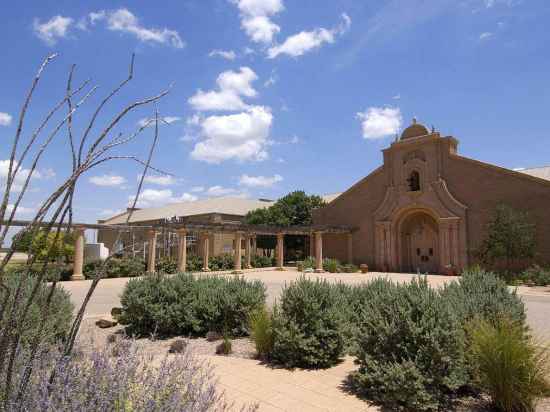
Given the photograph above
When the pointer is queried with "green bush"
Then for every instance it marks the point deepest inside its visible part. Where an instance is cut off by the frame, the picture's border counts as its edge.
(225, 261)
(59, 272)
(194, 263)
(116, 268)
(483, 294)
(166, 265)
(261, 331)
(332, 266)
(508, 366)
(410, 347)
(307, 263)
(58, 322)
(262, 261)
(308, 325)
(536, 275)
(184, 304)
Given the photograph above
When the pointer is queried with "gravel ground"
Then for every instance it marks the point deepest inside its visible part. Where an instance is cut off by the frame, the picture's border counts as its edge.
(92, 336)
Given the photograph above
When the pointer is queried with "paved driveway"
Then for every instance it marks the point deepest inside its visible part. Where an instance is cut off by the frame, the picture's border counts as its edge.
(107, 294)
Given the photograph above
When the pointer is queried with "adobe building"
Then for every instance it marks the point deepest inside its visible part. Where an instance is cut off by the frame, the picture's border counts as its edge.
(426, 208)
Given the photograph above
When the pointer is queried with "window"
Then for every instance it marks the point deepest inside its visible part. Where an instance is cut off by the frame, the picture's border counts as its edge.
(414, 181)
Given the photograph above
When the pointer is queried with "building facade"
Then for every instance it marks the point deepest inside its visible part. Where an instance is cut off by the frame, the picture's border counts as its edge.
(426, 208)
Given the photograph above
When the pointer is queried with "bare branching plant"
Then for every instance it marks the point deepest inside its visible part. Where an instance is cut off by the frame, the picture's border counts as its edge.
(93, 147)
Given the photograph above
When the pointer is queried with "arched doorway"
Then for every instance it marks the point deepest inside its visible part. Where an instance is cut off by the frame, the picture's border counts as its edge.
(419, 243)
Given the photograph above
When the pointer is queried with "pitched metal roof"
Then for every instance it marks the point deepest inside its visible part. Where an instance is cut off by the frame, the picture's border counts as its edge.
(222, 205)
(540, 172)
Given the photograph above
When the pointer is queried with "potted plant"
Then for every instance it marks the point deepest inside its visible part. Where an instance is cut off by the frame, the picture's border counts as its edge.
(364, 268)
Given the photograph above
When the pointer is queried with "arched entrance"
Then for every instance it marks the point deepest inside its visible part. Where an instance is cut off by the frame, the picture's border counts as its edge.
(419, 243)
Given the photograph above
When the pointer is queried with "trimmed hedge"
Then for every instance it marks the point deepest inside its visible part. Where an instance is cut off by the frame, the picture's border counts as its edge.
(188, 305)
(308, 325)
(116, 268)
(58, 322)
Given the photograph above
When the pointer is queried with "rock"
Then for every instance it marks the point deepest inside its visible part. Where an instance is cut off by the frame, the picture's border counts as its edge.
(224, 348)
(116, 312)
(213, 336)
(112, 338)
(104, 323)
(178, 346)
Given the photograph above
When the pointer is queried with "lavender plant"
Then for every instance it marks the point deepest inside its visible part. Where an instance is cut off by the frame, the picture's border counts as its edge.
(119, 377)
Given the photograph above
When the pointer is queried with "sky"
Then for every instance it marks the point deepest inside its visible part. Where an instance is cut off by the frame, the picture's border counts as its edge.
(271, 96)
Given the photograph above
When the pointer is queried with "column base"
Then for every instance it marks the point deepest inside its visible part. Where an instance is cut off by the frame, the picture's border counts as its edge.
(280, 269)
(78, 277)
(205, 269)
(319, 271)
(237, 272)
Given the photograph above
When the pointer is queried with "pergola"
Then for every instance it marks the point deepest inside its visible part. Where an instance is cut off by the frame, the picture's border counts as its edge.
(239, 230)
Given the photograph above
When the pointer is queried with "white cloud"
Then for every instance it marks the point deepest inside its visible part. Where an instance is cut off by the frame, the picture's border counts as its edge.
(224, 54)
(21, 210)
(152, 198)
(150, 122)
(22, 174)
(197, 189)
(107, 180)
(111, 212)
(123, 20)
(306, 41)
(219, 191)
(243, 136)
(231, 86)
(164, 180)
(52, 30)
(379, 122)
(396, 97)
(259, 181)
(256, 18)
(272, 79)
(5, 119)
(486, 35)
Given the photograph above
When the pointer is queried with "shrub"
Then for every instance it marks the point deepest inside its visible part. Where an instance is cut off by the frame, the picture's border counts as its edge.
(508, 366)
(166, 265)
(129, 381)
(116, 268)
(183, 304)
(307, 326)
(482, 294)
(410, 347)
(307, 263)
(224, 261)
(536, 275)
(194, 263)
(261, 332)
(54, 271)
(58, 321)
(262, 261)
(331, 265)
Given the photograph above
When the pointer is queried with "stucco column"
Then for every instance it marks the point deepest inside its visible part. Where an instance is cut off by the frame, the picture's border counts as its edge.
(455, 241)
(444, 241)
(182, 250)
(349, 238)
(247, 251)
(205, 251)
(78, 264)
(312, 244)
(280, 250)
(318, 252)
(151, 257)
(238, 254)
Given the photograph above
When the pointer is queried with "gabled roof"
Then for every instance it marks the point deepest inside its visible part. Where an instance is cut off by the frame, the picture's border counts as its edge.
(222, 205)
(540, 172)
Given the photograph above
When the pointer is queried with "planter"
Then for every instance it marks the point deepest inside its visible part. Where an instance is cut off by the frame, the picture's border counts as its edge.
(450, 271)
(364, 268)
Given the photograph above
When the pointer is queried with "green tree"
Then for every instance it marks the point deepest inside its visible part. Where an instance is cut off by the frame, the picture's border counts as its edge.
(294, 209)
(46, 246)
(510, 237)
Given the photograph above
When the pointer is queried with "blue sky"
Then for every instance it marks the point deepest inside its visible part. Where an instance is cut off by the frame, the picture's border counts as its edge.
(271, 96)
